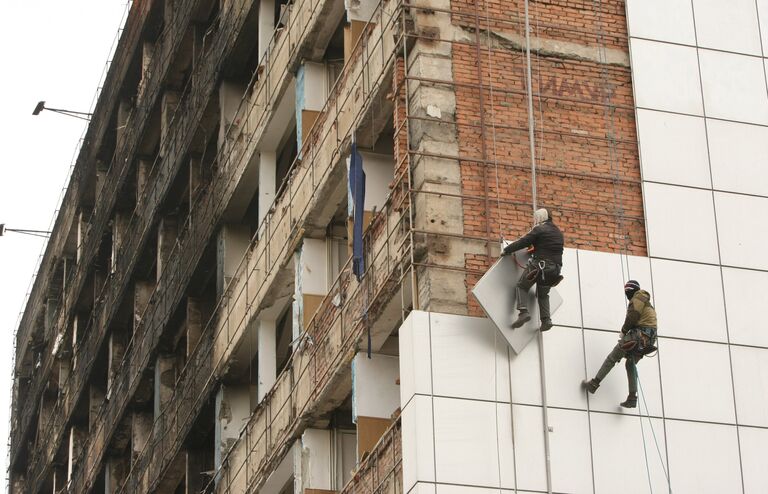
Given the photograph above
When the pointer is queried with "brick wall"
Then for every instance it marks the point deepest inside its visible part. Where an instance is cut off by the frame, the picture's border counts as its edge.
(592, 182)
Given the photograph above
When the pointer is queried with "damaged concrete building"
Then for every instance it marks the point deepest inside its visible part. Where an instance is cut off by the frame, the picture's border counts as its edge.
(196, 324)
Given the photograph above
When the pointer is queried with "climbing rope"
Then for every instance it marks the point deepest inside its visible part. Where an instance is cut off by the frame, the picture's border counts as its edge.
(653, 432)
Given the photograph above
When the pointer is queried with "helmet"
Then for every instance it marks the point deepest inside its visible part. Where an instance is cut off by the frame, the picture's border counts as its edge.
(540, 216)
(630, 288)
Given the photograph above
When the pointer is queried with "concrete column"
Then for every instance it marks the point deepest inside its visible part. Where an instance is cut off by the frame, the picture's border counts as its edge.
(195, 178)
(267, 356)
(79, 325)
(45, 415)
(267, 182)
(77, 435)
(266, 25)
(123, 113)
(195, 324)
(143, 167)
(439, 290)
(314, 461)
(141, 429)
(311, 93)
(232, 243)
(82, 230)
(141, 295)
(115, 473)
(233, 408)
(311, 282)
(101, 173)
(167, 233)
(117, 341)
(194, 465)
(59, 478)
(96, 395)
(147, 53)
(169, 102)
(165, 380)
(119, 228)
(230, 95)
(51, 310)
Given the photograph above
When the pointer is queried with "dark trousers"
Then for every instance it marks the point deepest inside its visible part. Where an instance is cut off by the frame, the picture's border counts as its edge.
(542, 292)
(630, 364)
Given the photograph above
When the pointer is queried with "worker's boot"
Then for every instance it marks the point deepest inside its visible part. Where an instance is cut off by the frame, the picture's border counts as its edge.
(523, 317)
(630, 402)
(546, 324)
(591, 385)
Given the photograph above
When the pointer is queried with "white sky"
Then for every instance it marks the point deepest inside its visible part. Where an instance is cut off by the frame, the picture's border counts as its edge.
(50, 50)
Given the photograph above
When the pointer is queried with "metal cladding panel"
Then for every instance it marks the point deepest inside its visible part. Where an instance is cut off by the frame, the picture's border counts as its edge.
(497, 296)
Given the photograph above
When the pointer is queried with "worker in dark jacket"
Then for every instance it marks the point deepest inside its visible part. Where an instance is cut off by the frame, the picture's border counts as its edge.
(543, 267)
(637, 340)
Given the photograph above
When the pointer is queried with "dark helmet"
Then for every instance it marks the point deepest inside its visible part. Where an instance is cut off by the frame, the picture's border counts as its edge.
(630, 288)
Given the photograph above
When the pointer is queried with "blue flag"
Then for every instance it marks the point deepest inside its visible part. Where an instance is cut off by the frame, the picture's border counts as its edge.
(357, 191)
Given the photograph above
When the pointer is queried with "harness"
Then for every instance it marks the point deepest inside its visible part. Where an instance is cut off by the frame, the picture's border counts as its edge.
(538, 269)
(640, 341)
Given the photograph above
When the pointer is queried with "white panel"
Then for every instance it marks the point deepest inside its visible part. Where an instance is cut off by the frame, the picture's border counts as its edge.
(680, 223)
(314, 258)
(465, 442)
(506, 449)
(379, 172)
(742, 230)
(681, 312)
(703, 458)
(754, 461)
(762, 7)
(569, 313)
(614, 388)
(496, 293)
(744, 291)
(658, 67)
(418, 442)
(734, 87)
(602, 289)
(525, 374)
(750, 382)
(619, 455)
(529, 441)
(564, 359)
(415, 357)
(375, 392)
(728, 26)
(663, 20)
(569, 447)
(422, 488)
(737, 153)
(463, 362)
(673, 148)
(696, 380)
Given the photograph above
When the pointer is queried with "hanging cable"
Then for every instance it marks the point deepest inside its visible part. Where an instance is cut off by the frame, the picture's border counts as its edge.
(532, 143)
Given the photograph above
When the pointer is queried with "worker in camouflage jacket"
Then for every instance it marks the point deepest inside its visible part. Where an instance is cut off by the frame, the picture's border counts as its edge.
(637, 340)
(543, 268)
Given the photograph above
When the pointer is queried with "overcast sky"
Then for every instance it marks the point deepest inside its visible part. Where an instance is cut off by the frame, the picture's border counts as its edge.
(56, 51)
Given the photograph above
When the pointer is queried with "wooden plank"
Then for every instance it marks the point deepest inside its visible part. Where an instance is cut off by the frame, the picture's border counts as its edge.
(369, 431)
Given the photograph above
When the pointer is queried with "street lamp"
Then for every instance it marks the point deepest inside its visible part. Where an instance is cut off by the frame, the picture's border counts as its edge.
(34, 233)
(77, 114)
